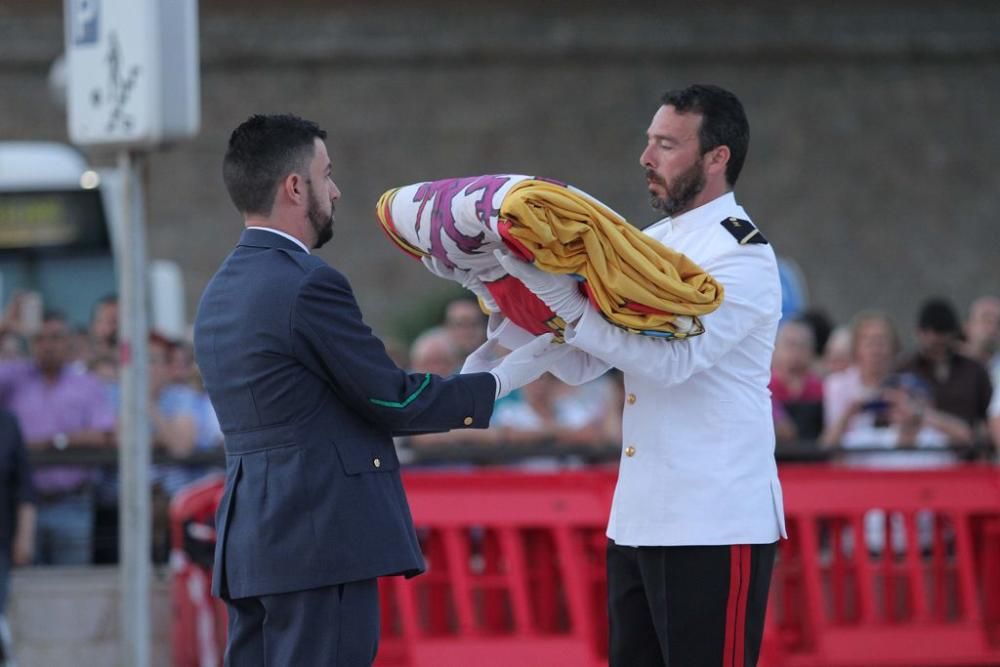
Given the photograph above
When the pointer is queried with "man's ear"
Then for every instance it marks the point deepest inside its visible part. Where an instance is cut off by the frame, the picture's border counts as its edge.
(294, 188)
(718, 158)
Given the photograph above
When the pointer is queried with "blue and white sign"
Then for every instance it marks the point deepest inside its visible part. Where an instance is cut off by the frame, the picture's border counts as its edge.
(84, 17)
(132, 71)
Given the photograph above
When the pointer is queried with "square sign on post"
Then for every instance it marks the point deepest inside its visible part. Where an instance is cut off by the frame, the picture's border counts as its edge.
(132, 71)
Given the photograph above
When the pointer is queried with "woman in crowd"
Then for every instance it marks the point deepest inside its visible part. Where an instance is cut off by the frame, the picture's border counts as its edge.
(796, 389)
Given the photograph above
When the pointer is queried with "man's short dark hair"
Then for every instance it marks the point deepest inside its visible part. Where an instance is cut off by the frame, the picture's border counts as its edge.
(724, 123)
(54, 315)
(939, 316)
(106, 300)
(262, 152)
(821, 325)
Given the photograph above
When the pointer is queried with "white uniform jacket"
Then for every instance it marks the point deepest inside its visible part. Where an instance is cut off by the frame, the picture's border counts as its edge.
(697, 464)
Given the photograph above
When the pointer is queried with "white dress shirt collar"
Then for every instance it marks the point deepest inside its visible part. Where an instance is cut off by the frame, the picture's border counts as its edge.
(287, 236)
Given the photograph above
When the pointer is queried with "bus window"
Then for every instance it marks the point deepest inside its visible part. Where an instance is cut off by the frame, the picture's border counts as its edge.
(57, 242)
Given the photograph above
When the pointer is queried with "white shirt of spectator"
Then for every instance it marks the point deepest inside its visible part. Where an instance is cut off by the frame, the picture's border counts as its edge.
(993, 411)
(930, 448)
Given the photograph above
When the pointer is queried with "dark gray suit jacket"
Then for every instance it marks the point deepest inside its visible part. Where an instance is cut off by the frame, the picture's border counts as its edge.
(308, 401)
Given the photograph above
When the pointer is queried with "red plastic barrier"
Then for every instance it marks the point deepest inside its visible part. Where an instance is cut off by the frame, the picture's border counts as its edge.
(198, 632)
(887, 568)
(515, 572)
(881, 569)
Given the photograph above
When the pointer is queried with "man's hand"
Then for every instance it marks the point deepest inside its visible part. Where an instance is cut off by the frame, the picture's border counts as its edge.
(442, 270)
(467, 279)
(476, 286)
(23, 551)
(484, 359)
(527, 363)
(559, 292)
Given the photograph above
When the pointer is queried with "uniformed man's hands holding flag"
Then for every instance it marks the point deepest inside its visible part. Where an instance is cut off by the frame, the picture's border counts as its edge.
(522, 366)
(560, 292)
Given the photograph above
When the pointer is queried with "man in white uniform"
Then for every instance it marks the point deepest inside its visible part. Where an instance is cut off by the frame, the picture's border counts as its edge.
(697, 511)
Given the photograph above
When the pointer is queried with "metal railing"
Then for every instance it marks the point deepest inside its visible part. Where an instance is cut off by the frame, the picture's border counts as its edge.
(502, 453)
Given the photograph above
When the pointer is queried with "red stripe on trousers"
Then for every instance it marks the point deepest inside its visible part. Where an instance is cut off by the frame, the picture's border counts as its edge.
(741, 605)
(736, 605)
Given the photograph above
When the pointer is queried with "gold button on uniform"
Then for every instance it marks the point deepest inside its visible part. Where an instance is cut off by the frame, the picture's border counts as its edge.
(377, 463)
(631, 399)
(467, 421)
(630, 451)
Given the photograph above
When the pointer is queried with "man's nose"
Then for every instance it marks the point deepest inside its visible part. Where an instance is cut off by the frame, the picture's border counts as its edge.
(645, 159)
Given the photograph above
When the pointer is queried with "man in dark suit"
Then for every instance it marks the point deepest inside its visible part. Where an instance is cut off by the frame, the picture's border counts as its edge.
(313, 509)
(17, 516)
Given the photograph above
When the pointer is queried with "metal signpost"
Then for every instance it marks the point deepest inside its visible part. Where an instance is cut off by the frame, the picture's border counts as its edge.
(132, 84)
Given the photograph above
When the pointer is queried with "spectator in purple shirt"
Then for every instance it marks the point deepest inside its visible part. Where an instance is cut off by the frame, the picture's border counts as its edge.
(58, 407)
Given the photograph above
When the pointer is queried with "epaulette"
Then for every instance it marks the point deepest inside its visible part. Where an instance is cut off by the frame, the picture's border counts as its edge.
(743, 231)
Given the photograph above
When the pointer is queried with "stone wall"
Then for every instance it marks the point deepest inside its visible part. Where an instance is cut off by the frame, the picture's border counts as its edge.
(69, 617)
(872, 160)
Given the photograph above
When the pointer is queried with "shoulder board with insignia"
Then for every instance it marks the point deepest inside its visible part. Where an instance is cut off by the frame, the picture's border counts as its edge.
(743, 231)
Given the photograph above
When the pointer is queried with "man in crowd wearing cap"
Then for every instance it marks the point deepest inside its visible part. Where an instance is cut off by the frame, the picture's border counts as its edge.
(960, 385)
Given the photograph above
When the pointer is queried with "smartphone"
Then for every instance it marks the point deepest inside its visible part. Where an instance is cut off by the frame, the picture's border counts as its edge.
(875, 405)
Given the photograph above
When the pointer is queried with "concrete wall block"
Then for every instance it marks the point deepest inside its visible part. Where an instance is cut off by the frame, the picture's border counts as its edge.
(104, 654)
(871, 162)
(64, 605)
(70, 616)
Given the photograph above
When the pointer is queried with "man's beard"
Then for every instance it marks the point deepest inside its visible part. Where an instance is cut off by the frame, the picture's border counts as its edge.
(680, 192)
(321, 223)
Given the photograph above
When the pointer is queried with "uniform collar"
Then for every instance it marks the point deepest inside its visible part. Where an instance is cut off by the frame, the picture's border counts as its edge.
(710, 212)
(265, 237)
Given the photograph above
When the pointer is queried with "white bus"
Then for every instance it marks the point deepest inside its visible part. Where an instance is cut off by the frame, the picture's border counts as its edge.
(59, 233)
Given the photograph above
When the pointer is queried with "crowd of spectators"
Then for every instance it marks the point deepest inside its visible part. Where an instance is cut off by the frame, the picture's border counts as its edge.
(857, 388)
(853, 388)
(61, 386)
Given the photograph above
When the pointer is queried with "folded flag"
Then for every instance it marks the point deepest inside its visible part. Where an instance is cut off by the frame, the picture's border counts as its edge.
(636, 282)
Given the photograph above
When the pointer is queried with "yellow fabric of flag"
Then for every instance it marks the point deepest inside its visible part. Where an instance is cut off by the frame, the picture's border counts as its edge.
(637, 282)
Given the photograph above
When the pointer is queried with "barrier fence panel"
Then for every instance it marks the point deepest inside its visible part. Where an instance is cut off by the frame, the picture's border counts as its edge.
(888, 568)
(881, 569)
(198, 635)
(515, 572)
